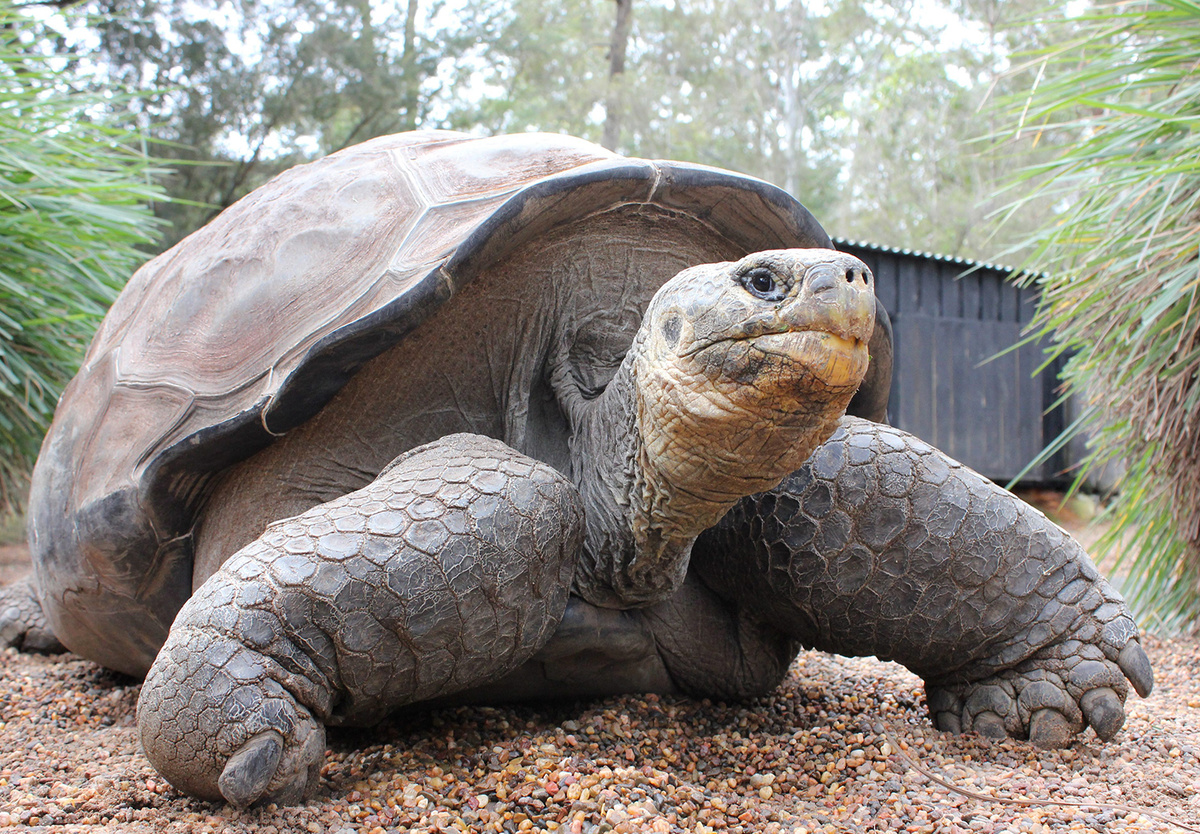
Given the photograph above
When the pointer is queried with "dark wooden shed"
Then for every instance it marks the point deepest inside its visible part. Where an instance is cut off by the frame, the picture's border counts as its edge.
(953, 384)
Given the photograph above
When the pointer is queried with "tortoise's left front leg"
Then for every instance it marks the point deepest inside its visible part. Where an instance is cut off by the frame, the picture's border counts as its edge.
(881, 545)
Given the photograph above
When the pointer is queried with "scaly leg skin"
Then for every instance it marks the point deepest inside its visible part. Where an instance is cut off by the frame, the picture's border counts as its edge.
(23, 625)
(449, 570)
(881, 545)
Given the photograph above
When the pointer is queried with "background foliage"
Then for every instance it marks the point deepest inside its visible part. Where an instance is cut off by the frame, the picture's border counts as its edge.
(1123, 272)
(74, 189)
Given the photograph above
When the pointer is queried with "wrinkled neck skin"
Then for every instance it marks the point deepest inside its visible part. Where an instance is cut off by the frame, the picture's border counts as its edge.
(655, 470)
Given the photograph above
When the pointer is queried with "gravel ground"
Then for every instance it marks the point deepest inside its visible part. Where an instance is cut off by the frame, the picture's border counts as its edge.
(819, 755)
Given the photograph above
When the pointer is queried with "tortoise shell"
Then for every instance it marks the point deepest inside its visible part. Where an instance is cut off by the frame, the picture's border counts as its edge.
(248, 327)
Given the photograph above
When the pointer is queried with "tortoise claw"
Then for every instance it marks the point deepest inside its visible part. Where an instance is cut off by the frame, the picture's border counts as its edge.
(988, 711)
(948, 722)
(251, 768)
(1104, 710)
(989, 724)
(1135, 665)
(1049, 729)
(946, 709)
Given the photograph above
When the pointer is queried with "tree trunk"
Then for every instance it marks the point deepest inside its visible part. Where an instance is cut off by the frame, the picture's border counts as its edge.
(794, 92)
(614, 104)
(408, 64)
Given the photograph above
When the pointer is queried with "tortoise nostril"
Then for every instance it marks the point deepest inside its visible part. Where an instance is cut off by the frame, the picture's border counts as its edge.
(828, 277)
(854, 275)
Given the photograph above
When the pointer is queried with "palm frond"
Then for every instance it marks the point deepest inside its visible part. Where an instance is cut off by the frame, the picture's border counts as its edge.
(1119, 272)
(74, 190)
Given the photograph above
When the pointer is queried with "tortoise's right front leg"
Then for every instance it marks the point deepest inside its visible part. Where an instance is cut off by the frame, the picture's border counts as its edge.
(447, 571)
(881, 545)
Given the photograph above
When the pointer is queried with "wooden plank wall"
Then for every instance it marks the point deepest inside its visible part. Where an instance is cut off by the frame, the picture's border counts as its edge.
(950, 386)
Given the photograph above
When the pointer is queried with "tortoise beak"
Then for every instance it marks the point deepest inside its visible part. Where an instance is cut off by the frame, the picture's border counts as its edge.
(830, 315)
(834, 297)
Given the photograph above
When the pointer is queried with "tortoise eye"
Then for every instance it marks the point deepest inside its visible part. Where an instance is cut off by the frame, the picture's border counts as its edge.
(761, 282)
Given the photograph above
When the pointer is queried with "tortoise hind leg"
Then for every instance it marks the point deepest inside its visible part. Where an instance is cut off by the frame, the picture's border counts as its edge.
(450, 569)
(693, 642)
(23, 623)
(881, 545)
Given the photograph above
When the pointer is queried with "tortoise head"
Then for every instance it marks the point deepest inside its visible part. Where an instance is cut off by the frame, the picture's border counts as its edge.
(744, 368)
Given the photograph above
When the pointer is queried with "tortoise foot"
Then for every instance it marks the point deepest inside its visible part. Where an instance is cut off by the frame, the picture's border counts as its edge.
(1048, 699)
(23, 624)
(218, 725)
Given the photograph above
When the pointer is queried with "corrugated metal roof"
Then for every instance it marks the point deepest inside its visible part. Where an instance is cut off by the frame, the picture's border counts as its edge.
(932, 256)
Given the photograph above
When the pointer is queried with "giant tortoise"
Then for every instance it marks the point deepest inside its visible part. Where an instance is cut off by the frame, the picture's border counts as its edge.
(516, 417)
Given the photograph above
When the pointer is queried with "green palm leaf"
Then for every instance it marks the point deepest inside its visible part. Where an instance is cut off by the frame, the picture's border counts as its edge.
(1120, 273)
(74, 190)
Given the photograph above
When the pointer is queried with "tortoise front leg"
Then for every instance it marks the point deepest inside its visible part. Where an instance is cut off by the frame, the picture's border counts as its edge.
(881, 545)
(449, 570)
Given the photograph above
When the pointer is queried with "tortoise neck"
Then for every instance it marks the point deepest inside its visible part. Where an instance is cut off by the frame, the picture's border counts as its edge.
(640, 523)
(646, 504)
(634, 554)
